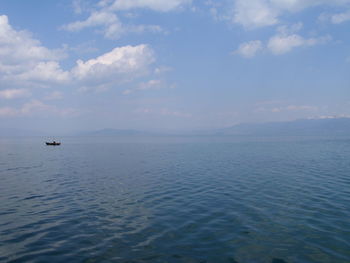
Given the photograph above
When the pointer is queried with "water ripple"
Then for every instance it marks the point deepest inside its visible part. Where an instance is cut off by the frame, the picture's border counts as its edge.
(241, 202)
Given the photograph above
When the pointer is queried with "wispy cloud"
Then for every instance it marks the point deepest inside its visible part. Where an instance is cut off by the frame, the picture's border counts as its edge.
(249, 49)
(337, 18)
(14, 93)
(106, 17)
(281, 44)
(101, 18)
(156, 5)
(255, 14)
(110, 26)
(36, 106)
(285, 40)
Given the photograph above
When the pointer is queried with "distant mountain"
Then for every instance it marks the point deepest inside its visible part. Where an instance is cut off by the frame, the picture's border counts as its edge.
(329, 126)
(114, 132)
(304, 127)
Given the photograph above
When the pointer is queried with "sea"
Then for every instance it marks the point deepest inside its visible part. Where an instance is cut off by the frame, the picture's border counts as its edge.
(175, 199)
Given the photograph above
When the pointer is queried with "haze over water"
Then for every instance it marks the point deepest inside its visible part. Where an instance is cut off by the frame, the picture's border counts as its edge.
(175, 199)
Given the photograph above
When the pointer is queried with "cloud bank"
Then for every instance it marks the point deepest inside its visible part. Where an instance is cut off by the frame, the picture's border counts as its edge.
(26, 63)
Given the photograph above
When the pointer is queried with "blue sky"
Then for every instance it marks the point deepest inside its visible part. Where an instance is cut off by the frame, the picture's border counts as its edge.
(75, 65)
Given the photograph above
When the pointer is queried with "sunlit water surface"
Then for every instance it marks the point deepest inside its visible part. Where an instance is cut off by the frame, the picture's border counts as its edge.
(170, 199)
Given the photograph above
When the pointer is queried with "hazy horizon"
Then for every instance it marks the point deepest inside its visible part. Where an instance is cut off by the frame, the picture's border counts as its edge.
(331, 126)
(74, 65)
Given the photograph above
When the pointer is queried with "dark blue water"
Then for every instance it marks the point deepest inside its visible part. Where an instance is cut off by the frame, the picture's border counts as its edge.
(175, 200)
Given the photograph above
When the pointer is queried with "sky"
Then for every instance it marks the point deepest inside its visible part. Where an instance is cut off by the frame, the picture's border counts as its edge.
(74, 65)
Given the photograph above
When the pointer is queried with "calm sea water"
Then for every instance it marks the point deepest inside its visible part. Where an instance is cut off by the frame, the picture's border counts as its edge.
(175, 200)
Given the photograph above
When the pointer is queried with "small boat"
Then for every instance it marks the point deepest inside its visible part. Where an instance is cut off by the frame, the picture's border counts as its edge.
(53, 143)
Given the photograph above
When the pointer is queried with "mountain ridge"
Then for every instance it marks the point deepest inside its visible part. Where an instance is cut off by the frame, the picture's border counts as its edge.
(327, 126)
(322, 126)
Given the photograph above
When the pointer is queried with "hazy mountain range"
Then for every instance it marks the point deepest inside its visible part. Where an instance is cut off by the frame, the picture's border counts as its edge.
(304, 127)
(329, 126)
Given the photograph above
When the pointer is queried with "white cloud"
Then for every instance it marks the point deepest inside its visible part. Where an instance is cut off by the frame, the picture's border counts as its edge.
(121, 64)
(249, 49)
(286, 30)
(340, 18)
(337, 18)
(46, 72)
(95, 19)
(281, 44)
(14, 93)
(25, 62)
(18, 48)
(108, 22)
(156, 5)
(260, 13)
(28, 64)
(112, 27)
(79, 6)
(254, 13)
(23, 58)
